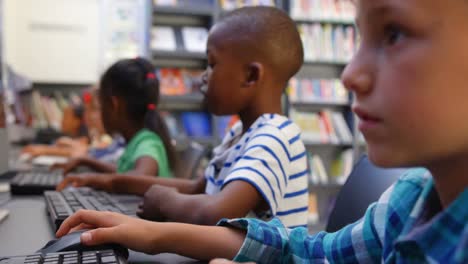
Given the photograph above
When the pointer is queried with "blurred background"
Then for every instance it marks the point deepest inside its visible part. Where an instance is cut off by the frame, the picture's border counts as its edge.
(53, 52)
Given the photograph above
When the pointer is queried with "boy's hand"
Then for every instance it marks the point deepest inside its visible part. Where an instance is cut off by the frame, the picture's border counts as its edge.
(67, 167)
(97, 181)
(154, 198)
(109, 227)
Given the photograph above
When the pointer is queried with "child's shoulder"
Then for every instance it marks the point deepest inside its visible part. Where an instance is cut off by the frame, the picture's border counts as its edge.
(276, 124)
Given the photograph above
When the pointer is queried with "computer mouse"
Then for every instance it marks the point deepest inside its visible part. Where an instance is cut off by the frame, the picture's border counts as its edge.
(72, 242)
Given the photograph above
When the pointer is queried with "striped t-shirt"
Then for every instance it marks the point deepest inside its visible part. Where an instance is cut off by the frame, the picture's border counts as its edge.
(272, 158)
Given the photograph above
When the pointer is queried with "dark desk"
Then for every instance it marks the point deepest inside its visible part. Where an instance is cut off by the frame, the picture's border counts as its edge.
(27, 228)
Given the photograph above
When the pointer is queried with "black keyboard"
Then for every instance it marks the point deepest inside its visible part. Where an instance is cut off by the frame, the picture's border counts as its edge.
(35, 182)
(61, 205)
(70, 257)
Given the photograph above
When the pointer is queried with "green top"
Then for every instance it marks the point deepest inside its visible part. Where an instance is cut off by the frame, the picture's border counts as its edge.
(145, 143)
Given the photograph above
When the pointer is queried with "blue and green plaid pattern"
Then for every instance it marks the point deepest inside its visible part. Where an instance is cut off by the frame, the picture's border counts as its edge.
(393, 230)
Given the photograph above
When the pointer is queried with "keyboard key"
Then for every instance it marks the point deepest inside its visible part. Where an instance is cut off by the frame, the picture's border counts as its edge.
(108, 259)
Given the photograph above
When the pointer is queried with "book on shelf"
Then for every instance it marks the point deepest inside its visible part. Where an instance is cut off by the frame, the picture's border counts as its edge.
(195, 38)
(341, 166)
(304, 90)
(309, 123)
(342, 129)
(340, 10)
(318, 174)
(313, 212)
(324, 127)
(339, 170)
(173, 81)
(39, 119)
(47, 111)
(171, 123)
(195, 125)
(233, 4)
(163, 38)
(327, 42)
(192, 80)
(326, 117)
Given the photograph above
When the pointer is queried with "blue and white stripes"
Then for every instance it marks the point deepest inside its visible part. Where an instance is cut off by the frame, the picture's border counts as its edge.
(270, 157)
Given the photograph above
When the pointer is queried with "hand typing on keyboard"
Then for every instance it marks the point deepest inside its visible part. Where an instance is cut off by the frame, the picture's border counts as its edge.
(97, 181)
(154, 198)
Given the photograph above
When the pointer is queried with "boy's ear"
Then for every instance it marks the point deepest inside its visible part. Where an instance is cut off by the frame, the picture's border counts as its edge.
(255, 71)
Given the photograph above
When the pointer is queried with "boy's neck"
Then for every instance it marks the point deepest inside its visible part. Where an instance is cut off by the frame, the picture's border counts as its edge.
(450, 178)
(267, 105)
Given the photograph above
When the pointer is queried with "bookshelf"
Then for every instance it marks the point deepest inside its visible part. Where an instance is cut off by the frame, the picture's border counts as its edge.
(329, 38)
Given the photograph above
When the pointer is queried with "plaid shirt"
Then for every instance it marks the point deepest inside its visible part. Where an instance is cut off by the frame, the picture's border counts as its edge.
(406, 225)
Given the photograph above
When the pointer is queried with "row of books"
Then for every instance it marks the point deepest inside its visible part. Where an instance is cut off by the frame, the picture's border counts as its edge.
(233, 4)
(196, 125)
(173, 81)
(164, 38)
(47, 111)
(336, 173)
(327, 42)
(304, 90)
(320, 175)
(323, 127)
(341, 10)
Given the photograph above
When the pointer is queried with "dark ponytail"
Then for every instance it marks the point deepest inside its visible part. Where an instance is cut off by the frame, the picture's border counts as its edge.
(155, 122)
(134, 81)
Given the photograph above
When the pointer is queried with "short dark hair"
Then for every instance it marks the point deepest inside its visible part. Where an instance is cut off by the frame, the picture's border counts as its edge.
(270, 32)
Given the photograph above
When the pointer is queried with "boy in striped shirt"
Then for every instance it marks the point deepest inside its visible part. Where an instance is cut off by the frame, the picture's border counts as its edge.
(260, 168)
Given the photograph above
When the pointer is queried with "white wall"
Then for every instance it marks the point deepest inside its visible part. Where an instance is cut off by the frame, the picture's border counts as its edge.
(53, 41)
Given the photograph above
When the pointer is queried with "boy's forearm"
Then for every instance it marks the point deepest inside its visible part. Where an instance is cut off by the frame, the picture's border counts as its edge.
(193, 209)
(138, 185)
(97, 165)
(198, 242)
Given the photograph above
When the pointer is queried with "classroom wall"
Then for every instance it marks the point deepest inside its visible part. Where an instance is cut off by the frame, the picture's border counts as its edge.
(53, 41)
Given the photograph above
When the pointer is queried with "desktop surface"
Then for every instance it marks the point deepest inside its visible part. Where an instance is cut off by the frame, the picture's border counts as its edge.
(28, 228)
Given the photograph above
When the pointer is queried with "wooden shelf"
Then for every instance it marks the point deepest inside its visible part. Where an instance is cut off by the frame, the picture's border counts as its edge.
(178, 54)
(191, 102)
(334, 63)
(184, 10)
(327, 145)
(320, 105)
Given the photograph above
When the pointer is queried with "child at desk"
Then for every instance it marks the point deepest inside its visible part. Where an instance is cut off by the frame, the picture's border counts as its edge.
(409, 81)
(128, 94)
(260, 168)
(96, 144)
